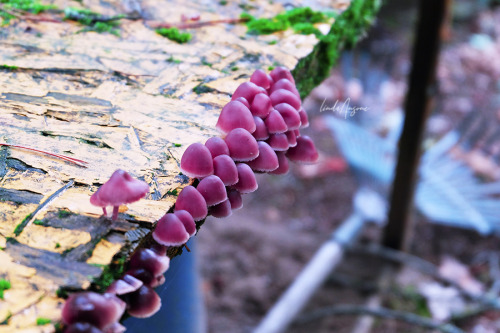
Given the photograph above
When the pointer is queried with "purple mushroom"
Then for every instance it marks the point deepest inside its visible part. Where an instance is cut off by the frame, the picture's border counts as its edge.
(303, 118)
(93, 308)
(187, 220)
(261, 78)
(126, 284)
(261, 132)
(81, 328)
(234, 197)
(275, 123)
(145, 276)
(267, 160)
(217, 146)
(278, 141)
(247, 182)
(283, 164)
(292, 138)
(304, 151)
(261, 105)
(225, 169)
(150, 260)
(196, 162)
(279, 73)
(285, 96)
(120, 189)
(290, 115)
(244, 101)
(191, 200)
(213, 190)
(247, 90)
(284, 84)
(221, 210)
(169, 231)
(235, 115)
(143, 303)
(242, 145)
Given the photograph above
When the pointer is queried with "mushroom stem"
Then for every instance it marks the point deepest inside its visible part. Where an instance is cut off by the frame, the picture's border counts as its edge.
(115, 212)
(104, 211)
(187, 248)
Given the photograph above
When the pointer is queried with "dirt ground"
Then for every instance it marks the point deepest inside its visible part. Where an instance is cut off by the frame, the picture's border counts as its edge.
(250, 258)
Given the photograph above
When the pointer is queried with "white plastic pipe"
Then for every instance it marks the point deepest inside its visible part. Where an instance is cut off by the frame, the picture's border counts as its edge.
(311, 278)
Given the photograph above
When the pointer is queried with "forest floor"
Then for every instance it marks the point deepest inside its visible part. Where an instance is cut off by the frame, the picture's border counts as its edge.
(248, 259)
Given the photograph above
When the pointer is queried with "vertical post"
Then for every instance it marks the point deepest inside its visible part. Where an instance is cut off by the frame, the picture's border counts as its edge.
(417, 106)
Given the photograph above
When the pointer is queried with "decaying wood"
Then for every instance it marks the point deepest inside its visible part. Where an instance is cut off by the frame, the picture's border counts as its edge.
(114, 102)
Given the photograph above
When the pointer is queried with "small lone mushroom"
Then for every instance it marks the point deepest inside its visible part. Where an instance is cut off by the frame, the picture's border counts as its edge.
(120, 189)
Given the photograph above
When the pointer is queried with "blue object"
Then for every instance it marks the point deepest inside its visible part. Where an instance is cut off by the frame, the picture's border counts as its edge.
(182, 308)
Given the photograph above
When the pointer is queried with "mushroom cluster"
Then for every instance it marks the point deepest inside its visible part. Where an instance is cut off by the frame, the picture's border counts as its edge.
(260, 132)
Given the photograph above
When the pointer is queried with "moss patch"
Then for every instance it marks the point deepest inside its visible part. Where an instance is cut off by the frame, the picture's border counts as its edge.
(344, 33)
(110, 273)
(175, 35)
(40, 321)
(31, 6)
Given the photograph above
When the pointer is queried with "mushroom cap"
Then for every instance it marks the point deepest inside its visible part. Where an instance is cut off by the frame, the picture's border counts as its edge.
(267, 160)
(285, 96)
(235, 115)
(275, 123)
(81, 328)
(217, 146)
(247, 90)
(196, 162)
(235, 199)
(221, 210)
(126, 284)
(120, 189)
(150, 260)
(191, 200)
(244, 101)
(304, 152)
(278, 141)
(261, 105)
(96, 309)
(283, 164)
(292, 138)
(284, 84)
(290, 115)
(261, 78)
(242, 145)
(144, 275)
(170, 231)
(225, 169)
(280, 72)
(143, 303)
(213, 190)
(187, 220)
(247, 182)
(303, 118)
(261, 132)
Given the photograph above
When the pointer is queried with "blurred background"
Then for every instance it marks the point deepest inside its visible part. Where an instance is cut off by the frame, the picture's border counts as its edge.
(248, 260)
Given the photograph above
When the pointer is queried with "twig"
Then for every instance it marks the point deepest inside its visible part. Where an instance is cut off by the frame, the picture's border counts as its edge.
(410, 318)
(63, 157)
(183, 25)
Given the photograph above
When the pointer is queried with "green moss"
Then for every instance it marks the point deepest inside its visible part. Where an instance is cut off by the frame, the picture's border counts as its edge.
(39, 222)
(64, 213)
(58, 245)
(93, 21)
(273, 42)
(206, 63)
(177, 145)
(175, 35)
(234, 68)
(61, 293)
(301, 19)
(202, 89)
(173, 60)
(7, 67)
(4, 285)
(223, 2)
(172, 192)
(344, 33)
(110, 273)
(31, 6)
(40, 321)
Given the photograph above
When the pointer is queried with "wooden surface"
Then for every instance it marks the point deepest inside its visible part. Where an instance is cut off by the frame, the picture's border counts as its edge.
(115, 102)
